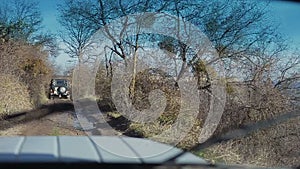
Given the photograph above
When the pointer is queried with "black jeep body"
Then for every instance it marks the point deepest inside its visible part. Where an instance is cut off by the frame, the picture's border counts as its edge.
(59, 88)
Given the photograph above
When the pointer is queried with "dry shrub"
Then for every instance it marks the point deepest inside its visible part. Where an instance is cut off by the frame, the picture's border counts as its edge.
(192, 137)
(82, 83)
(9, 61)
(147, 81)
(103, 91)
(277, 146)
(150, 80)
(267, 147)
(29, 65)
(246, 104)
(37, 73)
(14, 95)
(102, 84)
(249, 104)
(153, 79)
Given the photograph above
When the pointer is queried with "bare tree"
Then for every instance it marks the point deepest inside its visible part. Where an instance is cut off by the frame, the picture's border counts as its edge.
(77, 29)
(20, 20)
(245, 39)
(24, 49)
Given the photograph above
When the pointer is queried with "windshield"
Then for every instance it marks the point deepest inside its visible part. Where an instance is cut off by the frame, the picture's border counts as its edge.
(219, 79)
(59, 82)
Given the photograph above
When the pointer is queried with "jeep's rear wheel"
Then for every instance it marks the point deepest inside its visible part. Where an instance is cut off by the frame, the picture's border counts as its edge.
(51, 97)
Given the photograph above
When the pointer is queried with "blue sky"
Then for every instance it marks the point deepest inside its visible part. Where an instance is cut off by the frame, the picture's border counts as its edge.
(49, 14)
(287, 13)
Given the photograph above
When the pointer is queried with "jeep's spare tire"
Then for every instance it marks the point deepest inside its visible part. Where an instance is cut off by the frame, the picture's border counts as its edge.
(62, 89)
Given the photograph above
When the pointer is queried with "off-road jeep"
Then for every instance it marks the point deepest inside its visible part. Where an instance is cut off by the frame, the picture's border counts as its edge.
(59, 88)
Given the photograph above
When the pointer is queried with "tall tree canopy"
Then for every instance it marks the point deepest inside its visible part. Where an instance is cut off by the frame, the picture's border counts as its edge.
(21, 20)
(241, 31)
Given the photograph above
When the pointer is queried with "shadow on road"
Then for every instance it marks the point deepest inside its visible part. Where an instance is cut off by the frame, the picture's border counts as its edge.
(63, 106)
(9, 121)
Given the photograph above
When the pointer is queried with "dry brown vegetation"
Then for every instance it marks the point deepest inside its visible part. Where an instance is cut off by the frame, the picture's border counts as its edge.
(26, 71)
(272, 146)
(246, 42)
(24, 52)
(246, 104)
(13, 91)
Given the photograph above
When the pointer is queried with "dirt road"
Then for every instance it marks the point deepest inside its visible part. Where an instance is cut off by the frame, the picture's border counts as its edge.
(55, 118)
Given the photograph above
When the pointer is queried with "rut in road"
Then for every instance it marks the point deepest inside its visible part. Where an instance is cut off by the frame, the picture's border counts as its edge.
(35, 114)
(58, 117)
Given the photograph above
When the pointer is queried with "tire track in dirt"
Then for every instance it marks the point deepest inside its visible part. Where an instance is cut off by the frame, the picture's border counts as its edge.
(54, 118)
